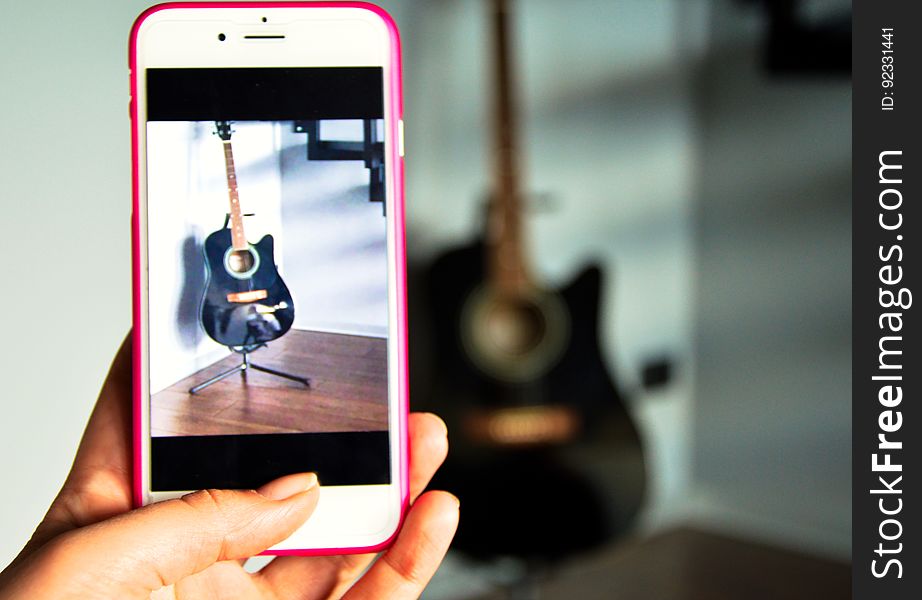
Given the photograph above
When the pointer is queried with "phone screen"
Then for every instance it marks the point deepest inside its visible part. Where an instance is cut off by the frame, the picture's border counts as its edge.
(267, 276)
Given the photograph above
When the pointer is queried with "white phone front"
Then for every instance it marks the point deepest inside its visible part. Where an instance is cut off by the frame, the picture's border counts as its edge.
(269, 265)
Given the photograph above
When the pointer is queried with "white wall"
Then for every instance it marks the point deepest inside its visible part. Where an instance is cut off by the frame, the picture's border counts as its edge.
(335, 245)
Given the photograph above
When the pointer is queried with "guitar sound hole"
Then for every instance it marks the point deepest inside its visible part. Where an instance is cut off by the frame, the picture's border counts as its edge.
(517, 338)
(240, 261)
(514, 328)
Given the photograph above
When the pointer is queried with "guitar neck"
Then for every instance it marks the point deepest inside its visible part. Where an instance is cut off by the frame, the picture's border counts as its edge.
(506, 263)
(238, 239)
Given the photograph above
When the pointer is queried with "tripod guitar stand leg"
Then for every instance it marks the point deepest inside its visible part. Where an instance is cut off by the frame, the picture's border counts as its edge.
(249, 365)
(243, 367)
(237, 369)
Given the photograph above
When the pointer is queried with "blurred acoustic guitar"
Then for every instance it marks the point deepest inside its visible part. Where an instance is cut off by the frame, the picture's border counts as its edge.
(516, 370)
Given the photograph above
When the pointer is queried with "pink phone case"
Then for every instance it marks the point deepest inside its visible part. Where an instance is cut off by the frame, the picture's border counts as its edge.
(396, 116)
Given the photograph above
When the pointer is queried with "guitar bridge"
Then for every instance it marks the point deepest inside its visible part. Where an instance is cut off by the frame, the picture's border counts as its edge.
(249, 296)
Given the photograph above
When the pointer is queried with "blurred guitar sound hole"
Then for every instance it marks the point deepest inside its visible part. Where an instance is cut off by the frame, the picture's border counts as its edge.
(514, 338)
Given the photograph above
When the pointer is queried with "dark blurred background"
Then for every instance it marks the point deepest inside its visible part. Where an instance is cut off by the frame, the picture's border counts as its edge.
(693, 155)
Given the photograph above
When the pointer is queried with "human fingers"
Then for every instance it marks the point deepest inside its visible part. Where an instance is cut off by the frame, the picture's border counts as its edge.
(404, 570)
(131, 555)
(329, 576)
(280, 488)
(428, 448)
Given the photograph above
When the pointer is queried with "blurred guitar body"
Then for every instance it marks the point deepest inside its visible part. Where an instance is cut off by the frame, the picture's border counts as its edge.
(522, 452)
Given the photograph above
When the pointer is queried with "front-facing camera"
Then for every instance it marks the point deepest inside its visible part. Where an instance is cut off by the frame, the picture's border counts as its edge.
(221, 37)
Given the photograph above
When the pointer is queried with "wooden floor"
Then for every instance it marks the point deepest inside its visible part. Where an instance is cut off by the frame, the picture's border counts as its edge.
(694, 564)
(348, 391)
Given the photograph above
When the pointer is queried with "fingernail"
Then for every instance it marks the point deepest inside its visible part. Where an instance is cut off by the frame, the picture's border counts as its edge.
(309, 481)
(288, 486)
(441, 422)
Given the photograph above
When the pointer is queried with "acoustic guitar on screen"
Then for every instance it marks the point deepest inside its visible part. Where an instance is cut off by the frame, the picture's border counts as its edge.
(246, 304)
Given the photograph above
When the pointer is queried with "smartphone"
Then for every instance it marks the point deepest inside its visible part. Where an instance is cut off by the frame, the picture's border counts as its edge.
(269, 259)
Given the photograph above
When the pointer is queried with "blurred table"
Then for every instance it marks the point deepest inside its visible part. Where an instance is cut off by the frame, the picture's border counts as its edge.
(690, 564)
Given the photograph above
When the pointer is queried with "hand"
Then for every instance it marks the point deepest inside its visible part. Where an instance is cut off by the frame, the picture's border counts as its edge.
(91, 543)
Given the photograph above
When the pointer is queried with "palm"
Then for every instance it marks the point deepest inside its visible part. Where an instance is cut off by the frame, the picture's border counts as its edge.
(99, 487)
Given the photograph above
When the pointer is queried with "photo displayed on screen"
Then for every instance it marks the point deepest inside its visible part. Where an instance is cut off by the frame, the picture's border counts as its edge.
(267, 276)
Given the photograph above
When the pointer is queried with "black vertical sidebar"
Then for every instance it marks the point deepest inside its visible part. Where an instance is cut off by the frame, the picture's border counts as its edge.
(886, 364)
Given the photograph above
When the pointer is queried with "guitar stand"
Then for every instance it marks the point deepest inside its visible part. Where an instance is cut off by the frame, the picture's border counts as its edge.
(246, 365)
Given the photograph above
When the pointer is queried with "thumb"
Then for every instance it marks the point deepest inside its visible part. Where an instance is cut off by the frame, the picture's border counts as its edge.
(162, 543)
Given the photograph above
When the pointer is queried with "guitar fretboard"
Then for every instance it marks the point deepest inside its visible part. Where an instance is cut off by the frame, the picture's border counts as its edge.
(506, 263)
(238, 239)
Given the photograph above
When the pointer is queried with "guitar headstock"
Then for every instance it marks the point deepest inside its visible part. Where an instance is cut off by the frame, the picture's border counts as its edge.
(223, 130)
